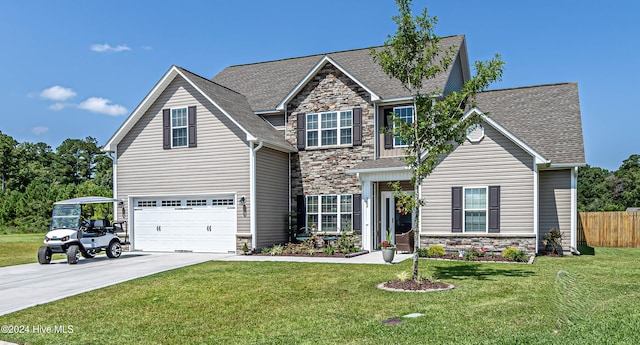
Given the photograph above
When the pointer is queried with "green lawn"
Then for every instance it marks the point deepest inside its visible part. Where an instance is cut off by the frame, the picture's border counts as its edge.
(595, 301)
(16, 249)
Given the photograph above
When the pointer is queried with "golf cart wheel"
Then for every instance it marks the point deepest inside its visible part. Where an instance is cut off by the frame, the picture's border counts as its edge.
(72, 254)
(114, 250)
(44, 255)
(88, 254)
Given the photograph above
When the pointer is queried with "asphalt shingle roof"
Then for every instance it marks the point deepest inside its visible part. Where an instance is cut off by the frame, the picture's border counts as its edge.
(266, 84)
(545, 117)
(236, 105)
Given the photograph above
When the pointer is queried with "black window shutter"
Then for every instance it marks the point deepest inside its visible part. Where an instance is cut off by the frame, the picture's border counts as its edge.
(494, 209)
(356, 217)
(456, 209)
(387, 120)
(357, 126)
(166, 128)
(301, 136)
(192, 127)
(301, 212)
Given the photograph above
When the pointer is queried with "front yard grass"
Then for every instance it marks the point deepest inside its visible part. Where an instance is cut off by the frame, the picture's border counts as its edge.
(595, 300)
(17, 249)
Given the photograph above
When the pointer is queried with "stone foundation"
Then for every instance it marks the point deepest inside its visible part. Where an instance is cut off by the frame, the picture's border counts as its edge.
(492, 242)
(241, 239)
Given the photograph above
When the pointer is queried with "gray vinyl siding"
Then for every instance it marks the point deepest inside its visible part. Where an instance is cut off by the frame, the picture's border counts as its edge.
(494, 161)
(455, 81)
(276, 121)
(555, 204)
(272, 196)
(219, 163)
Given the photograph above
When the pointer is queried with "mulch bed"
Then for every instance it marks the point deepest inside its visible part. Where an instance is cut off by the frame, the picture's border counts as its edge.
(319, 254)
(411, 285)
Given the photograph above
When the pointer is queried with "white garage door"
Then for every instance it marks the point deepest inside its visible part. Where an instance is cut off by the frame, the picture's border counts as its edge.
(199, 224)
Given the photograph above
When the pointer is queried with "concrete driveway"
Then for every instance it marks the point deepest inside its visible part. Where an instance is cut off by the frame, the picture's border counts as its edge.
(28, 285)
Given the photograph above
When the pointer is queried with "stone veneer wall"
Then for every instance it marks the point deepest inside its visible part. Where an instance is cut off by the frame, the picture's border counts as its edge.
(316, 171)
(241, 239)
(495, 243)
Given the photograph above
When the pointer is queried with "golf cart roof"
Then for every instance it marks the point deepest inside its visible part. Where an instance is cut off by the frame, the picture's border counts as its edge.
(87, 200)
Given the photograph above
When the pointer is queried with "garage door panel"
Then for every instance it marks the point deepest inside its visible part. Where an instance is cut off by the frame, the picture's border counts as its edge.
(203, 228)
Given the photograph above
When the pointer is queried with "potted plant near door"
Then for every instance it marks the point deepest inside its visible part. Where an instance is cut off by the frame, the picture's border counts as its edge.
(388, 248)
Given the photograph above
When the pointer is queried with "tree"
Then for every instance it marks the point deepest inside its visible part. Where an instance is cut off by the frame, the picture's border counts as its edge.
(412, 56)
(76, 160)
(7, 158)
(629, 177)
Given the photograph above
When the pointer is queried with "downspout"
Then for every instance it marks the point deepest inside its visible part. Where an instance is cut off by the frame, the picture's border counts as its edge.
(536, 204)
(114, 170)
(252, 194)
(574, 211)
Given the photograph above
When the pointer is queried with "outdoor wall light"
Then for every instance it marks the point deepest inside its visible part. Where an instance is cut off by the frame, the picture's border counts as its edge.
(243, 199)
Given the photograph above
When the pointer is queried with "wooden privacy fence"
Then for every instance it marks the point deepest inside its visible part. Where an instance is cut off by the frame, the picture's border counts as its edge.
(609, 229)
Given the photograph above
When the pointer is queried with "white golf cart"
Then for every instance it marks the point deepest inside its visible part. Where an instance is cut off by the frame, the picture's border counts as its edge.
(70, 234)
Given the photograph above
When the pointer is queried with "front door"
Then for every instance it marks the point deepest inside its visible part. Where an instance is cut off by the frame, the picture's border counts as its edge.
(392, 221)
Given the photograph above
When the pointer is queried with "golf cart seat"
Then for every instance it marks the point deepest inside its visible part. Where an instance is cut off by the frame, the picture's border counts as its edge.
(97, 227)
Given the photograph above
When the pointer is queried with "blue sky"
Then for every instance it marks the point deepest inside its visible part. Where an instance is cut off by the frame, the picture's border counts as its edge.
(74, 69)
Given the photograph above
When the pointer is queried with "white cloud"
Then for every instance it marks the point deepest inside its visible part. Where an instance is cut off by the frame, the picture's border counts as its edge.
(39, 130)
(147, 48)
(57, 106)
(101, 105)
(57, 93)
(101, 48)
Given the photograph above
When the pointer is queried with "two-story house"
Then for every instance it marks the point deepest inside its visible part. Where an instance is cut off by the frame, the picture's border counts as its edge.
(208, 165)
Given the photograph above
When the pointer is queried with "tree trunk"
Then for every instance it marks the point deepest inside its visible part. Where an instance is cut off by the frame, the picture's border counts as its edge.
(416, 194)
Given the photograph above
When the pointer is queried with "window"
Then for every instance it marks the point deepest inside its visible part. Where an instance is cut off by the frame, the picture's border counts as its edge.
(179, 127)
(146, 203)
(200, 202)
(222, 202)
(330, 129)
(329, 212)
(475, 209)
(171, 203)
(406, 115)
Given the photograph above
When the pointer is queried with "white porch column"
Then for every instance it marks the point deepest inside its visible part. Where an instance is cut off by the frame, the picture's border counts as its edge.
(367, 204)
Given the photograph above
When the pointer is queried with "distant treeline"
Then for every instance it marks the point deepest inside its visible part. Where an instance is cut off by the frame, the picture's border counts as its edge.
(34, 176)
(603, 190)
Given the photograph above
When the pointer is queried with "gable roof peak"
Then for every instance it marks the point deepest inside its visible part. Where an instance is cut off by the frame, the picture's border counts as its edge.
(182, 69)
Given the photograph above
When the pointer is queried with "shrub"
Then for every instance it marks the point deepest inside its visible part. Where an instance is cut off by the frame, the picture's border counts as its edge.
(423, 252)
(436, 251)
(474, 253)
(276, 250)
(553, 238)
(515, 254)
(403, 276)
(330, 250)
(347, 241)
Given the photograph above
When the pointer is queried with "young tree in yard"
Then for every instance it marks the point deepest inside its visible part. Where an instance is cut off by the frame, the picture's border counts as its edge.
(413, 56)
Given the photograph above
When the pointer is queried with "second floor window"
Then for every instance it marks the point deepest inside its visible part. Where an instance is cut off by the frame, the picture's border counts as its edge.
(330, 128)
(179, 127)
(406, 115)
